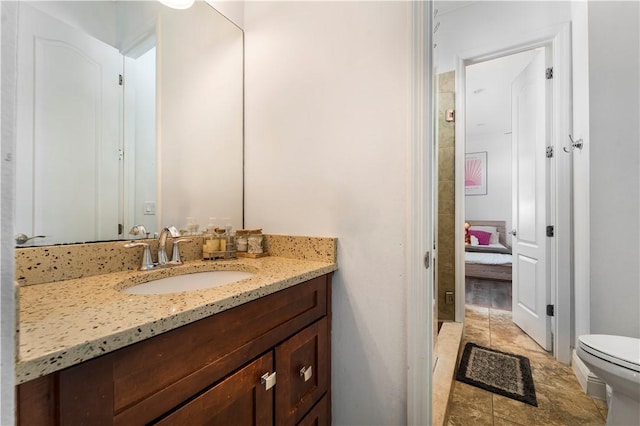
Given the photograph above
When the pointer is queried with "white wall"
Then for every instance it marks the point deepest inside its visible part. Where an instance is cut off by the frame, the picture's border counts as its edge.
(614, 51)
(327, 130)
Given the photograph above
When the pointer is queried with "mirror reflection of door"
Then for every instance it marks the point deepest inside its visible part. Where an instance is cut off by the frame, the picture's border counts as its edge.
(82, 175)
(68, 154)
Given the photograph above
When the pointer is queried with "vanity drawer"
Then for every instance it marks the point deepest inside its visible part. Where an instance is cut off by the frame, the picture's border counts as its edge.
(239, 399)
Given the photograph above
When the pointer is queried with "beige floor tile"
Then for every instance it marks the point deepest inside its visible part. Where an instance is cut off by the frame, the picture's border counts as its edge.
(526, 414)
(476, 325)
(477, 335)
(499, 421)
(561, 400)
(578, 410)
(464, 414)
(473, 312)
(476, 397)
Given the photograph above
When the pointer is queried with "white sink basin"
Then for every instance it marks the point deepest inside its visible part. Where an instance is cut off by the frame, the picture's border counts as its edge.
(188, 282)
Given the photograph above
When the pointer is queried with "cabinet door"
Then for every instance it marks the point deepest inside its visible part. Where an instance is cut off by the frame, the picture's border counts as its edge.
(302, 364)
(239, 400)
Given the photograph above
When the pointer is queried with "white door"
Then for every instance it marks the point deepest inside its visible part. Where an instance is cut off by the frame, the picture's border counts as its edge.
(529, 132)
(69, 138)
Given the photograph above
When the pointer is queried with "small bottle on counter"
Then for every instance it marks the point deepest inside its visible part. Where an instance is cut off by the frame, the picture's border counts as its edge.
(211, 241)
(231, 247)
(222, 238)
(254, 241)
(241, 240)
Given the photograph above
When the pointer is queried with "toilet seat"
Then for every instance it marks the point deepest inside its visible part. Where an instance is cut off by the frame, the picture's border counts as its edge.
(620, 350)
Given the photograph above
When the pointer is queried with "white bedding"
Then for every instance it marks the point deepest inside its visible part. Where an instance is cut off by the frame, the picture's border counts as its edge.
(487, 258)
(490, 246)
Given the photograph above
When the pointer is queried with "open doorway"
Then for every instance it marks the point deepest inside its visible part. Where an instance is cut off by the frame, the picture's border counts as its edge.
(507, 179)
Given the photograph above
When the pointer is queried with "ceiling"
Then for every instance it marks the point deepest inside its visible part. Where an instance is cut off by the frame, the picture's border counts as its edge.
(488, 93)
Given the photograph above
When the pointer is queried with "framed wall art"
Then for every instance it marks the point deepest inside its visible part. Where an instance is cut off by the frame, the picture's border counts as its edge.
(475, 173)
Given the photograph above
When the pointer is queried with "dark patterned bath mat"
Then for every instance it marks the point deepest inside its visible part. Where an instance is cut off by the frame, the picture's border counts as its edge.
(498, 372)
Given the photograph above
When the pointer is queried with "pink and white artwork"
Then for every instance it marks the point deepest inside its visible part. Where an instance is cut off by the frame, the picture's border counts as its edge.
(475, 173)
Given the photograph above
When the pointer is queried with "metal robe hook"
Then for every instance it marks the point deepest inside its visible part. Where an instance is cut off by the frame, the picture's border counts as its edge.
(574, 144)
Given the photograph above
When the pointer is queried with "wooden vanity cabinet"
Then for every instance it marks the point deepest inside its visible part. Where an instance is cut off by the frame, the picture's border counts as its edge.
(207, 372)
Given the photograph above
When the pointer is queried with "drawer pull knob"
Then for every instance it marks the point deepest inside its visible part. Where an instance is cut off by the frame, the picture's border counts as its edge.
(306, 372)
(268, 380)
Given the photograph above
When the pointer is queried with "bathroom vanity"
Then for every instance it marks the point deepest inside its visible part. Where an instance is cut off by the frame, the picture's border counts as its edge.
(253, 352)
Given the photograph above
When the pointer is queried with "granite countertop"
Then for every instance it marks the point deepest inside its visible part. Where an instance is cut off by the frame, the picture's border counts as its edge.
(66, 322)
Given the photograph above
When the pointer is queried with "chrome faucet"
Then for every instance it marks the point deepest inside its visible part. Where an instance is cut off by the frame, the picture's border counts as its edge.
(146, 263)
(162, 243)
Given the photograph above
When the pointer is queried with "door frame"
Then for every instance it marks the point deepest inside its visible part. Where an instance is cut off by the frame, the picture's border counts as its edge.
(419, 230)
(561, 255)
(9, 38)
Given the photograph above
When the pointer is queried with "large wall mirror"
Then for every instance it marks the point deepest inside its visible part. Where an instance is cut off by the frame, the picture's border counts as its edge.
(128, 113)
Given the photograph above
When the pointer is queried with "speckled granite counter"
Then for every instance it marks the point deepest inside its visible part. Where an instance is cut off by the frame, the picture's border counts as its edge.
(66, 322)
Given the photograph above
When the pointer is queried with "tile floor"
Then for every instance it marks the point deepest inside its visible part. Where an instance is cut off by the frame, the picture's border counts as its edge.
(561, 400)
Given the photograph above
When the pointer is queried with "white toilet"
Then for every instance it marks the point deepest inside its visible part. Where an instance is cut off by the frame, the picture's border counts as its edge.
(616, 361)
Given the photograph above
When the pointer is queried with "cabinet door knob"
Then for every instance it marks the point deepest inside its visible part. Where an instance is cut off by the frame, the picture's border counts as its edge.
(268, 380)
(306, 372)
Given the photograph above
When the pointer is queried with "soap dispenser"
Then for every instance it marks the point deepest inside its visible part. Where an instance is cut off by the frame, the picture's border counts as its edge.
(212, 242)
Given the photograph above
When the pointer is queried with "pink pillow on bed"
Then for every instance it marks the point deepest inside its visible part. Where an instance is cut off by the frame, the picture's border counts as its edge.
(483, 237)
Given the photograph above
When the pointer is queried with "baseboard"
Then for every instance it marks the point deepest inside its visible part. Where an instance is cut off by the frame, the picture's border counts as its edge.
(590, 383)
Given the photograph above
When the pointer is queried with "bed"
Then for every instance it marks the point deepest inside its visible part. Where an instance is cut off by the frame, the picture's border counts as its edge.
(491, 261)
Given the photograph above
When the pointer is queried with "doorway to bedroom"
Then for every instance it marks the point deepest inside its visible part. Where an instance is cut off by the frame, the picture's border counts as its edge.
(489, 179)
(506, 185)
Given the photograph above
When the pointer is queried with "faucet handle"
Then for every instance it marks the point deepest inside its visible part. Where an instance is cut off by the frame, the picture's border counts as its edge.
(175, 256)
(145, 263)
